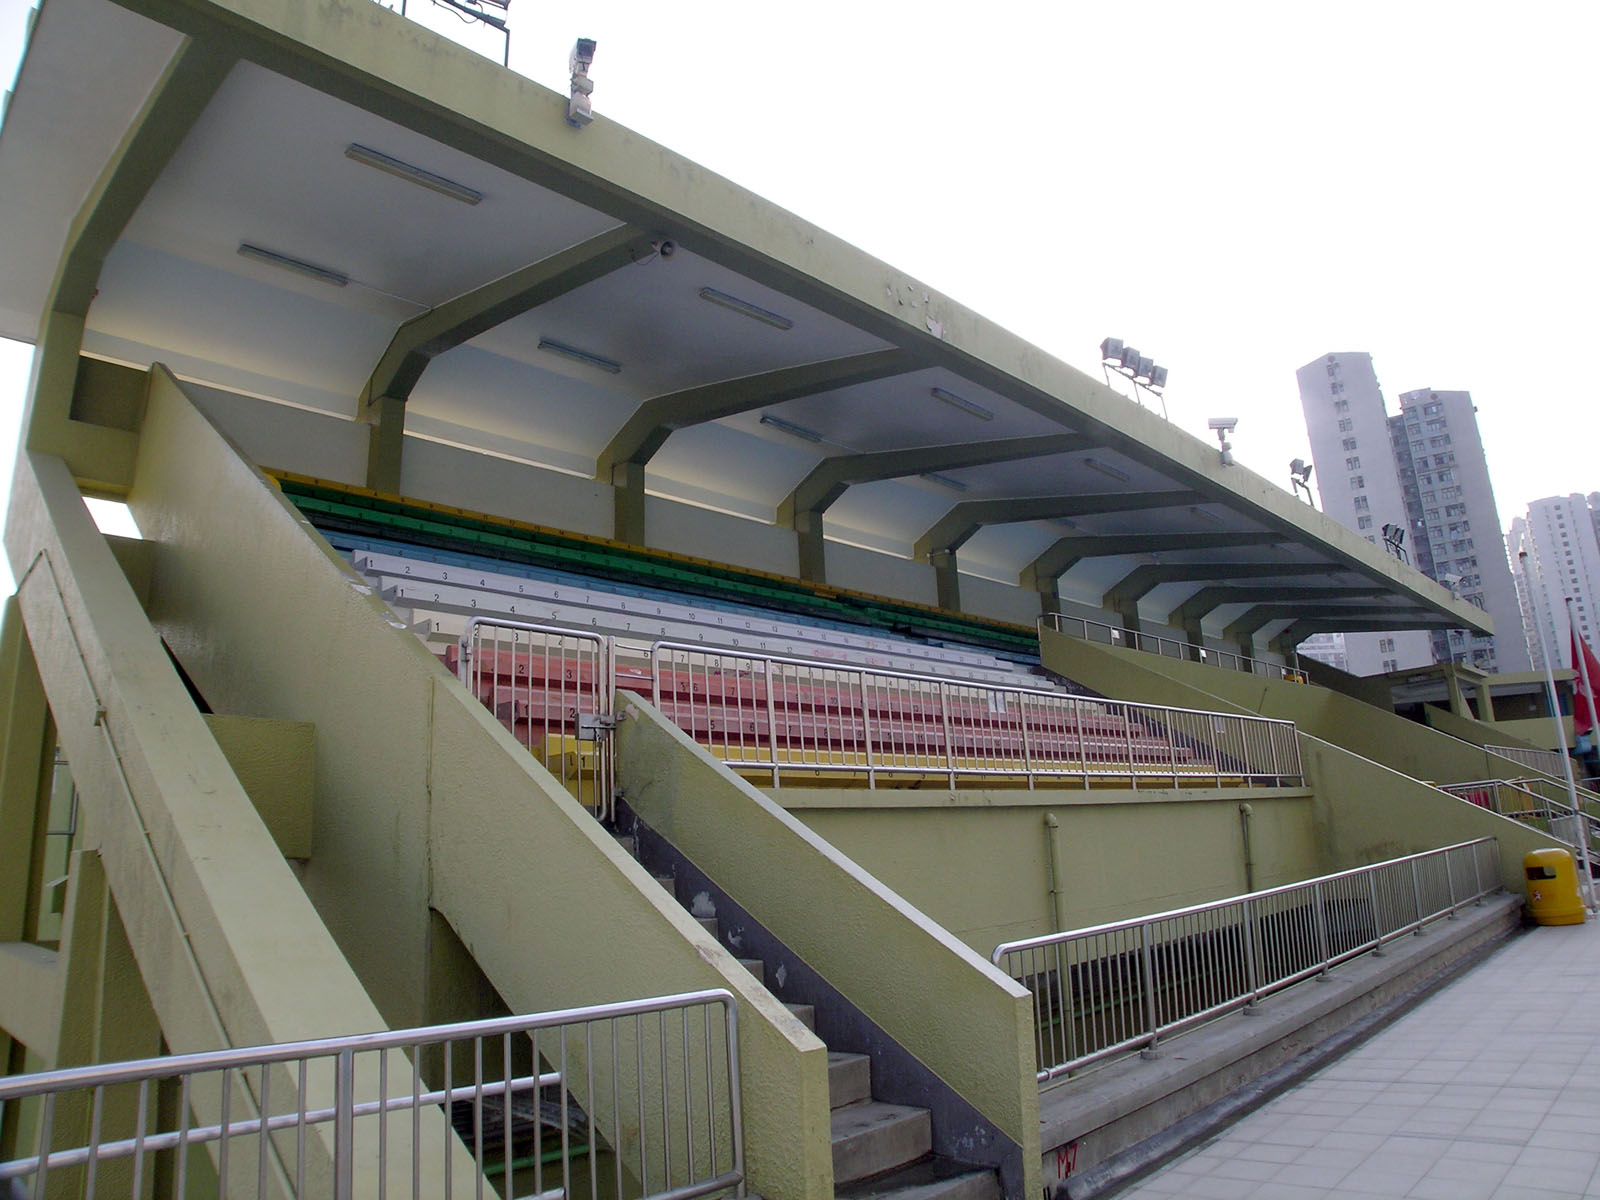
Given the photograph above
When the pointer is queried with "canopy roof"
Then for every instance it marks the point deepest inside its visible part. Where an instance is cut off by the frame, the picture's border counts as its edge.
(762, 367)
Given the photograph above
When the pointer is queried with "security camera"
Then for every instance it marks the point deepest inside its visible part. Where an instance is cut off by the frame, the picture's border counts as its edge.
(1223, 424)
(665, 247)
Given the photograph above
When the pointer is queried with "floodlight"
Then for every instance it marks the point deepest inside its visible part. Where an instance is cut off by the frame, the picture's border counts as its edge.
(1158, 378)
(1111, 350)
(1223, 424)
(1130, 358)
(1143, 367)
(1301, 469)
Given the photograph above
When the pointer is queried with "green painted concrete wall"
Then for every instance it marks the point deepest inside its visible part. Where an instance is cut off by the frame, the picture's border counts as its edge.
(962, 1018)
(1403, 745)
(1367, 810)
(977, 862)
(424, 803)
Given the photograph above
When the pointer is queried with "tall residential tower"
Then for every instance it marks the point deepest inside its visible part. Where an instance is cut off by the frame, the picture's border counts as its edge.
(1422, 472)
(1359, 483)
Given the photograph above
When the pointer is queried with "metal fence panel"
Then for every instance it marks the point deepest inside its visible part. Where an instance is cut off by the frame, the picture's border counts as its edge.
(783, 715)
(638, 1099)
(1107, 990)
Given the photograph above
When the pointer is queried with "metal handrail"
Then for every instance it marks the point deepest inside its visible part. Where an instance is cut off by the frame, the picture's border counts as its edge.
(909, 723)
(688, 1087)
(1157, 644)
(589, 718)
(1108, 990)
(1548, 808)
(1548, 761)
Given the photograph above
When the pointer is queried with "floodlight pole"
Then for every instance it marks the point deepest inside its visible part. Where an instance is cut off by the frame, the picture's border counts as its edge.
(1583, 673)
(1561, 742)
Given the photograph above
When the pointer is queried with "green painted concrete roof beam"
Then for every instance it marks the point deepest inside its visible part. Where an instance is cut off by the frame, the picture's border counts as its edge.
(832, 477)
(1066, 553)
(1141, 581)
(963, 520)
(1207, 600)
(426, 336)
(657, 418)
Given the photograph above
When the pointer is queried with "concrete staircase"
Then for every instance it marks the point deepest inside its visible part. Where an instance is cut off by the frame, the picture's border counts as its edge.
(879, 1149)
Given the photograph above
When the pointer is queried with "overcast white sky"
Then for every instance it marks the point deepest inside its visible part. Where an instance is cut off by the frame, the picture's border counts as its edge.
(1234, 188)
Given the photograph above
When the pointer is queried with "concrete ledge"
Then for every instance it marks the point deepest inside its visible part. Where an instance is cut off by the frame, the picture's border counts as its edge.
(30, 1001)
(1102, 1129)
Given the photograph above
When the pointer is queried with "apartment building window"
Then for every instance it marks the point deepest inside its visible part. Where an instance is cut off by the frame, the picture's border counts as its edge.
(1362, 506)
(1385, 645)
(1341, 406)
(1428, 498)
(1363, 522)
(1446, 476)
(1336, 386)
(1333, 369)
(1346, 425)
(1353, 464)
(1357, 482)
(1391, 664)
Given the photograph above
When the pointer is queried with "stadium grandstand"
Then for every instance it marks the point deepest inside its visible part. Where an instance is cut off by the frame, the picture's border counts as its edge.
(628, 695)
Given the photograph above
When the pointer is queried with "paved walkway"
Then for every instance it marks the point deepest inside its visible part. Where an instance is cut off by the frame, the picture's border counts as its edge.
(1490, 1090)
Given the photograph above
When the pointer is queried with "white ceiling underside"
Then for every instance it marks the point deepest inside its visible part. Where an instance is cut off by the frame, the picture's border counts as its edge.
(266, 164)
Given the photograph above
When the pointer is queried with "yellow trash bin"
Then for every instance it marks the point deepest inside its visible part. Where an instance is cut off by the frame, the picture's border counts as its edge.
(1552, 888)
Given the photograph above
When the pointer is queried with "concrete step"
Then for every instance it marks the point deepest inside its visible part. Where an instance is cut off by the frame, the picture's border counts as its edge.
(929, 1179)
(849, 1078)
(871, 1137)
(806, 1014)
(757, 968)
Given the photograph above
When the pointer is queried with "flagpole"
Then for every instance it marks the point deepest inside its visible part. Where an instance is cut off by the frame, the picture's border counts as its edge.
(1561, 743)
(1581, 661)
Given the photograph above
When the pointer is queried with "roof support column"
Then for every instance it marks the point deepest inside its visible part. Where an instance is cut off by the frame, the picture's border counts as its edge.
(1485, 703)
(1049, 596)
(813, 556)
(1458, 698)
(98, 455)
(386, 419)
(628, 500)
(946, 579)
(1127, 611)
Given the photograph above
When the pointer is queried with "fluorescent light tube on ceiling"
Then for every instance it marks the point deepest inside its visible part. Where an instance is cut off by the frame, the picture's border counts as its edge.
(1094, 464)
(579, 356)
(953, 484)
(789, 427)
(754, 311)
(970, 407)
(412, 174)
(298, 265)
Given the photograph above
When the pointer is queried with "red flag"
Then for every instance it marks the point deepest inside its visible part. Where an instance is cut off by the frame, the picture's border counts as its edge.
(1583, 704)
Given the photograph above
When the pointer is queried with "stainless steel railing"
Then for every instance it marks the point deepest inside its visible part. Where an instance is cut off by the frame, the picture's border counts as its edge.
(783, 714)
(639, 1098)
(1111, 635)
(1548, 761)
(1109, 990)
(1539, 802)
(552, 686)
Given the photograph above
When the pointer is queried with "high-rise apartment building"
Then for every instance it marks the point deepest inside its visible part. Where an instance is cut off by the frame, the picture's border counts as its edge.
(1563, 560)
(1422, 472)
(1359, 483)
(1455, 523)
